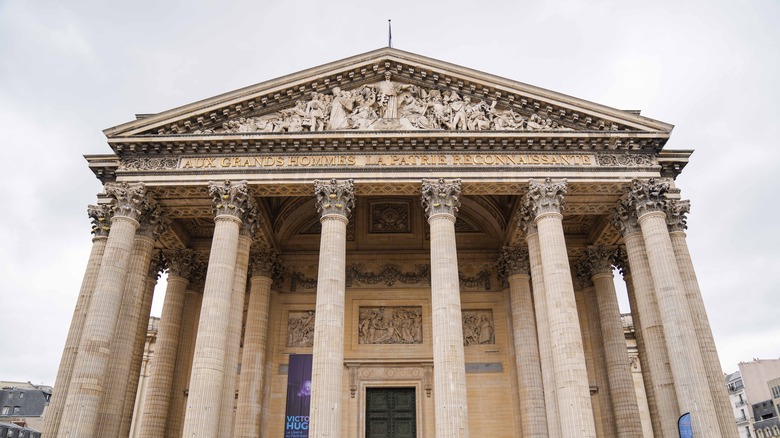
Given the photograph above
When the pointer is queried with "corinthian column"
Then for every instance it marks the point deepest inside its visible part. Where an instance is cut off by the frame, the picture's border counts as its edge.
(181, 263)
(545, 202)
(598, 261)
(514, 267)
(648, 326)
(231, 201)
(89, 379)
(101, 217)
(676, 213)
(542, 326)
(441, 203)
(133, 318)
(265, 267)
(335, 201)
(690, 380)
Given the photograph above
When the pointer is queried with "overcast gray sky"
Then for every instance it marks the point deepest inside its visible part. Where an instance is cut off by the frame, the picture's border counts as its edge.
(70, 69)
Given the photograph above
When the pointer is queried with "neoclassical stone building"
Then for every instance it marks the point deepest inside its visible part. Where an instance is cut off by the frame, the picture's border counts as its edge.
(441, 241)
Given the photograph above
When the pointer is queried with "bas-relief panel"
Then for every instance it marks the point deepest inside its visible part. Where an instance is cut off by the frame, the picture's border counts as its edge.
(390, 325)
(300, 328)
(390, 217)
(478, 328)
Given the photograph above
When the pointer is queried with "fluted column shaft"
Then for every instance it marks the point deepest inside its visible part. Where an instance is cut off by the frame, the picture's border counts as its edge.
(533, 419)
(184, 357)
(208, 367)
(543, 333)
(621, 383)
(607, 415)
(233, 345)
(163, 363)
(89, 379)
(250, 395)
(65, 371)
(335, 200)
(690, 380)
(654, 358)
(111, 409)
(704, 335)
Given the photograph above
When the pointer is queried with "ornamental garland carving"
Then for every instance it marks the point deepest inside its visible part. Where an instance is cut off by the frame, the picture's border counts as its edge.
(300, 329)
(390, 105)
(389, 275)
(545, 197)
(390, 325)
(441, 197)
(100, 215)
(141, 164)
(625, 160)
(299, 281)
(478, 327)
(481, 280)
(335, 197)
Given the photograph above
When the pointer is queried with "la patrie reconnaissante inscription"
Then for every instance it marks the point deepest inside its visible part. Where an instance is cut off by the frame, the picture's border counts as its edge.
(376, 161)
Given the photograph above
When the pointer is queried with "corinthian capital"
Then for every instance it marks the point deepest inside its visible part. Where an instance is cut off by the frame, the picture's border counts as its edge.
(646, 196)
(100, 215)
(513, 261)
(624, 218)
(251, 219)
(677, 214)
(182, 263)
(596, 260)
(441, 197)
(153, 221)
(545, 197)
(229, 198)
(334, 197)
(131, 199)
(620, 260)
(527, 220)
(157, 265)
(265, 263)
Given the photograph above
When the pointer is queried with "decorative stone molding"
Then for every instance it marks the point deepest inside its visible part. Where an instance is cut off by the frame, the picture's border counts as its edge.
(545, 197)
(481, 280)
(647, 195)
(478, 328)
(335, 197)
(153, 221)
(419, 370)
(513, 261)
(231, 198)
(100, 215)
(390, 217)
(131, 199)
(677, 214)
(624, 218)
(157, 265)
(182, 263)
(142, 164)
(299, 281)
(390, 325)
(300, 329)
(440, 197)
(265, 263)
(388, 274)
(626, 160)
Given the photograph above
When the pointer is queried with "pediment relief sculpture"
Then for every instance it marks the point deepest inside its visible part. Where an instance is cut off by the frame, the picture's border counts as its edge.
(389, 105)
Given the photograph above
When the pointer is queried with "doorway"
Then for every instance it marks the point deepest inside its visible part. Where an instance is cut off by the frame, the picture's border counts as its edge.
(391, 413)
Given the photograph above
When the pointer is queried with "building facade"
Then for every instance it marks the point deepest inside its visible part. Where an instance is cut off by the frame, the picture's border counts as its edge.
(24, 404)
(753, 392)
(441, 241)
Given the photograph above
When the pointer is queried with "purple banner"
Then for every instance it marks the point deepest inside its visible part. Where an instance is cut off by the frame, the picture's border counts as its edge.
(684, 425)
(298, 396)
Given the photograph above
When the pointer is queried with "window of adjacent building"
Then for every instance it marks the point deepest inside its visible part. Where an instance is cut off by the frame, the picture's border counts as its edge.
(21, 395)
(17, 409)
(743, 414)
(6, 410)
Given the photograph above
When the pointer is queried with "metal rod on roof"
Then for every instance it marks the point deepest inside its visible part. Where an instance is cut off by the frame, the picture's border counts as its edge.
(389, 33)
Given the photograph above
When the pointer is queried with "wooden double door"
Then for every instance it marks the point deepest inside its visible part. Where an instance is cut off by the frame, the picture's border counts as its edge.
(391, 413)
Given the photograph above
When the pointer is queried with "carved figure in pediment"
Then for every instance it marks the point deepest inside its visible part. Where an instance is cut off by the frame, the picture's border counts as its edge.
(343, 102)
(413, 111)
(315, 113)
(455, 108)
(388, 92)
(477, 116)
(364, 114)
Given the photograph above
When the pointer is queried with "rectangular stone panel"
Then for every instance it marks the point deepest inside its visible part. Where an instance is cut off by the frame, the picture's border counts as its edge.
(390, 325)
(478, 328)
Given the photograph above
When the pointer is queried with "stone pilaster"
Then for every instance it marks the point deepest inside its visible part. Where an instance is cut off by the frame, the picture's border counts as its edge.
(441, 203)
(181, 264)
(134, 319)
(545, 201)
(676, 215)
(88, 382)
(231, 201)
(542, 326)
(335, 201)
(597, 261)
(265, 267)
(690, 381)
(100, 215)
(233, 348)
(648, 325)
(514, 267)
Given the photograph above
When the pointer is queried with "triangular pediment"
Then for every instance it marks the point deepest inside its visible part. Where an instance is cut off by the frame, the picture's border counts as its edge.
(387, 90)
